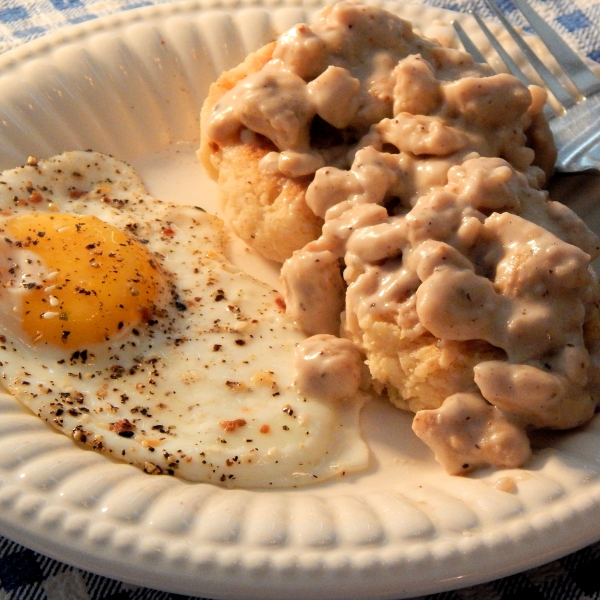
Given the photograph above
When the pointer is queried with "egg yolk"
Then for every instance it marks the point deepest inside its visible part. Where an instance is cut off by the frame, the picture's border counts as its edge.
(79, 281)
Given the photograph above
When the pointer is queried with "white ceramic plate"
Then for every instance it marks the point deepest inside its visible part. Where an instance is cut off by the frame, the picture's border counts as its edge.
(131, 85)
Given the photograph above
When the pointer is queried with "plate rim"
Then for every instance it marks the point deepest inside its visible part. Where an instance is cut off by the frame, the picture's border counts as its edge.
(15, 514)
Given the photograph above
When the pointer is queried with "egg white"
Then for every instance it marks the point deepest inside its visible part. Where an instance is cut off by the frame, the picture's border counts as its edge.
(207, 390)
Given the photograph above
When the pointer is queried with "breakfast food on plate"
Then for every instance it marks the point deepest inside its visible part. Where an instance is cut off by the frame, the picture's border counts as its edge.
(268, 213)
(468, 292)
(358, 78)
(125, 327)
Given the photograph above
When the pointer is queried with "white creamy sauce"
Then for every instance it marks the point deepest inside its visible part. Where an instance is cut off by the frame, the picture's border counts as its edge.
(434, 221)
(328, 367)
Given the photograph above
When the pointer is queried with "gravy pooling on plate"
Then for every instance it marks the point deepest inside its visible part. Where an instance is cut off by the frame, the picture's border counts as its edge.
(468, 292)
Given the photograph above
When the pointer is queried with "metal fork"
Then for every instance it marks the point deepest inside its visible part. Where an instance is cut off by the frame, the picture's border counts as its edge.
(576, 123)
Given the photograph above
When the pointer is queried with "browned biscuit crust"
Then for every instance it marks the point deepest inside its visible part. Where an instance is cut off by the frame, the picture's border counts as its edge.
(267, 211)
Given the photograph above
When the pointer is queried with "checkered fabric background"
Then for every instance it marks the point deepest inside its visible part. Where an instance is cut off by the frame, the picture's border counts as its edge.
(22, 20)
(26, 575)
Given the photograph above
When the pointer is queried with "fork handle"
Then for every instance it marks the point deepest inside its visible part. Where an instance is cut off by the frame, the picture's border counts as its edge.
(578, 137)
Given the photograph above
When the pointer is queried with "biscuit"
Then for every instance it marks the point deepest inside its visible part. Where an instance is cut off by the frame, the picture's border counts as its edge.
(268, 213)
(421, 373)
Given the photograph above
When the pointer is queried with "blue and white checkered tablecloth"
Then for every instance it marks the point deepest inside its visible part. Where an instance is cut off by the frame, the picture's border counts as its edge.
(27, 575)
(23, 20)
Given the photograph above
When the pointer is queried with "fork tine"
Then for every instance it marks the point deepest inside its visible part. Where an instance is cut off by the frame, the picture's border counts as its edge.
(512, 66)
(468, 45)
(551, 82)
(579, 73)
(504, 55)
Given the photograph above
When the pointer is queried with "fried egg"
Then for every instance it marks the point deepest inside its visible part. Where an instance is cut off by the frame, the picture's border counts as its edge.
(125, 327)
